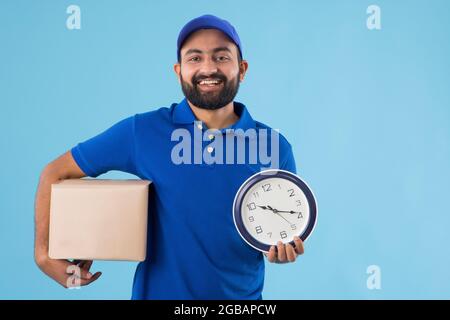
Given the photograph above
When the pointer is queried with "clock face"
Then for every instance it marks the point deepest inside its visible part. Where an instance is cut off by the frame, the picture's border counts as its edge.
(272, 208)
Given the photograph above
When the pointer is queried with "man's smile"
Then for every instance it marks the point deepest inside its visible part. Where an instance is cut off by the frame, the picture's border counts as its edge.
(210, 84)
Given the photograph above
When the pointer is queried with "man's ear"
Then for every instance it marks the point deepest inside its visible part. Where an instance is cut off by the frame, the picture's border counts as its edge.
(177, 69)
(243, 67)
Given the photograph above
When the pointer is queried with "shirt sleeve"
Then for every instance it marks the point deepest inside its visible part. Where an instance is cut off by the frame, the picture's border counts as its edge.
(113, 149)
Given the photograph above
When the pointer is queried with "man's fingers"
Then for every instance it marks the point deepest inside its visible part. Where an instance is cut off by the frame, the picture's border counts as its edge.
(281, 251)
(87, 265)
(290, 252)
(83, 263)
(81, 270)
(85, 282)
(85, 274)
(299, 245)
(73, 282)
(272, 254)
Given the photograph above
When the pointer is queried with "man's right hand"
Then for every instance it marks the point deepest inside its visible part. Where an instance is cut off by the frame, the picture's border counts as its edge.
(67, 273)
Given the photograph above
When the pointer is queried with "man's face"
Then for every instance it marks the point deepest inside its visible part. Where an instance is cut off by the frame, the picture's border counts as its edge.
(209, 70)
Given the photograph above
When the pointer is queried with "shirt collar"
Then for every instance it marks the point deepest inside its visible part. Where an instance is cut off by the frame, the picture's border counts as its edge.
(183, 114)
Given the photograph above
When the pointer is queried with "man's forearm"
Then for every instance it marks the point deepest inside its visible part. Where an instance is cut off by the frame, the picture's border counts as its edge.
(42, 213)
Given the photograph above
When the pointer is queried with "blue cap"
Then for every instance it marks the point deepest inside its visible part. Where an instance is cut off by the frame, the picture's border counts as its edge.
(208, 21)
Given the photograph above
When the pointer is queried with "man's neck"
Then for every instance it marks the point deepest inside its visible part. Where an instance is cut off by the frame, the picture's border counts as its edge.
(216, 119)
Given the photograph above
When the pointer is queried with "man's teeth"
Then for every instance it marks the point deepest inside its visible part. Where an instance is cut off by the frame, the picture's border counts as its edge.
(209, 82)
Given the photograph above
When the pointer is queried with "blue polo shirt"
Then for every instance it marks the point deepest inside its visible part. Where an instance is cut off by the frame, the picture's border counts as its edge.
(194, 250)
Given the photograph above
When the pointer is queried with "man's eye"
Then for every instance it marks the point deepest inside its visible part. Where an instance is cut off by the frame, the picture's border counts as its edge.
(223, 58)
(194, 59)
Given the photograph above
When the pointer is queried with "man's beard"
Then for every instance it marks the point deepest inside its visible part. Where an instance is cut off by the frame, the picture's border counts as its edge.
(210, 100)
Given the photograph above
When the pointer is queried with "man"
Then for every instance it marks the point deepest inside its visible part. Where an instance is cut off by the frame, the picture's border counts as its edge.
(194, 249)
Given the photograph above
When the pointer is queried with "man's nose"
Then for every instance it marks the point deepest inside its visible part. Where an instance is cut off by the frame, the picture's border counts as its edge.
(208, 67)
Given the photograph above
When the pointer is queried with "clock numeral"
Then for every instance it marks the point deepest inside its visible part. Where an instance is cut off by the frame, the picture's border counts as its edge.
(251, 218)
(299, 203)
(300, 215)
(279, 186)
(256, 194)
(270, 234)
(293, 226)
(258, 229)
(291, 192)
(283, 234)
(266, 187)
(251, 206)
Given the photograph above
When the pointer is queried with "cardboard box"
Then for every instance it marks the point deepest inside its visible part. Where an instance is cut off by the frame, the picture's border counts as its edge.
(95, 219)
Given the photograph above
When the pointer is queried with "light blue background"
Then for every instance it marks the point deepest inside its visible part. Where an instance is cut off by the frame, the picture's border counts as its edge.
(367, 113)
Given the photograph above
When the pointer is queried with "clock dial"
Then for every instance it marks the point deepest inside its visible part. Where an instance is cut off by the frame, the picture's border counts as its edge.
(274, 206)
(275, 209)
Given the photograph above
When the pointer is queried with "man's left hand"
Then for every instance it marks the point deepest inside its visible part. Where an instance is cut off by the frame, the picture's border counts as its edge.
(285, 253)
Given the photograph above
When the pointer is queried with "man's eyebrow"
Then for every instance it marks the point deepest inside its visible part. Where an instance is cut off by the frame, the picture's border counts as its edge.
(190, 51)
(221, 49)
(193, 51)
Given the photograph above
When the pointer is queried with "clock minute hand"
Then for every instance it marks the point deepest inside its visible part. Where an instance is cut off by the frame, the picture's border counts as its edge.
(294, 212)
(276, 212)
(291, 212)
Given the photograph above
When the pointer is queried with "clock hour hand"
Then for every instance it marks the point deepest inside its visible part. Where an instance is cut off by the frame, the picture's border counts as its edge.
(269, 208)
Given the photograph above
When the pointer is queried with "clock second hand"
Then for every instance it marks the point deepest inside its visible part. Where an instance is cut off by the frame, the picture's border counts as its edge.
(283, 218)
